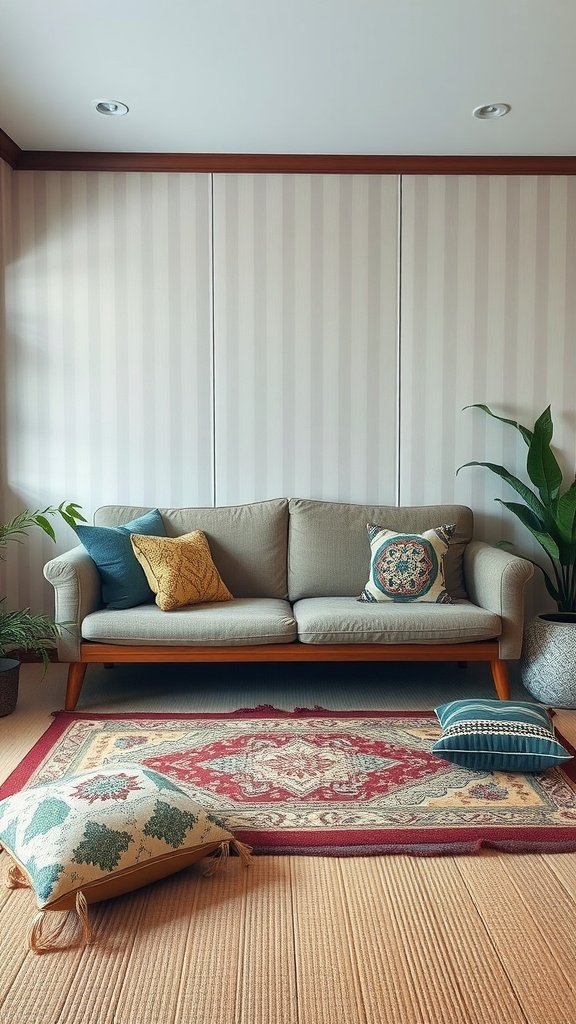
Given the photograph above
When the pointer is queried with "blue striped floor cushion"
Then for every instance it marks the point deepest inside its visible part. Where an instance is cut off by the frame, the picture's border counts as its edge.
(498, 735)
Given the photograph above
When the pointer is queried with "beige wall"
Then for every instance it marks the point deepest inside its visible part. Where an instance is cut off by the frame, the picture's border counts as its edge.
(305, 329)
(5, 235)
(488, 313)
(198, 339)
(108, 347)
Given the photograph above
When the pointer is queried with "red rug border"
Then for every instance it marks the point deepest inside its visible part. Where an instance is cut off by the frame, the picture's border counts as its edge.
(502, 838)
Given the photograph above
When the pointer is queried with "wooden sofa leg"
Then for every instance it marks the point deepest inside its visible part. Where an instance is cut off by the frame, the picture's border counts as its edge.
(76, 673)
(501, 678)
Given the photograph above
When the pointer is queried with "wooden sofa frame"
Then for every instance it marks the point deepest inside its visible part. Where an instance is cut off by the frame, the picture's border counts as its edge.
(101, 653)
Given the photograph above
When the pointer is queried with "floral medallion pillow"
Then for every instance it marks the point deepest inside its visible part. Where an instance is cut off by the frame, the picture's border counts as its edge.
(407, 566)
(104, 832)
(498, 735)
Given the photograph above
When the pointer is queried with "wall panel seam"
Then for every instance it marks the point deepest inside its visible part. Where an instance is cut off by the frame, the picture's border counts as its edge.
(212, 339)
(398, 336)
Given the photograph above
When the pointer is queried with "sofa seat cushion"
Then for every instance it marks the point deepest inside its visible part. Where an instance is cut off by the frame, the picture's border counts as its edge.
(330, 620)
(241, 621)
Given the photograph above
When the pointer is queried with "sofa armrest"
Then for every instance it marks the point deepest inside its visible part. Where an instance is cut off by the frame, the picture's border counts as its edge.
(495, 579)
(76, 583)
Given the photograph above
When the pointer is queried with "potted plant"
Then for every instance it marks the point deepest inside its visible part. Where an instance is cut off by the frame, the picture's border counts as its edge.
(548, 663)
(21, 630)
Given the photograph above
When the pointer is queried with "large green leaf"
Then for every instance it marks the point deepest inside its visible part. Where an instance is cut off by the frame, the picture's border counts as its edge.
(521, 488)
(543, 469)
(548, 515)
(566, 514)
(524, 514)
(526, 433)
(544, 539)
(552, 590)
(566, 551)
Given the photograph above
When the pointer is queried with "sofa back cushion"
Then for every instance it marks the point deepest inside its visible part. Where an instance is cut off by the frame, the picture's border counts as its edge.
(248, 543)
(329, 550)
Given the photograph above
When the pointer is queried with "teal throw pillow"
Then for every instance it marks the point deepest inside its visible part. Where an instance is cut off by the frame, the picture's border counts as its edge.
(498, 735)
(123, 582)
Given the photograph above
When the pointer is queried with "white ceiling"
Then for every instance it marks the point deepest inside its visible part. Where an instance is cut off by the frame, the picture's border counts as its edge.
(299, 76)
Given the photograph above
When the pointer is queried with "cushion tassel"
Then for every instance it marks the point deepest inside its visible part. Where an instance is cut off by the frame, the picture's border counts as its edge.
(243, 851)
(217, 859)
(223, 852)
(16, 879)
(39, 945)
(82, 911)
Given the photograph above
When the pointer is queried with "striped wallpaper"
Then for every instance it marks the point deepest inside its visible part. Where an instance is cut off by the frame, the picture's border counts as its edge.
(488, 315)
(5, 235)
(109, 350)
(305, 326)
(8, 569)
(199, 339)
(488, 306)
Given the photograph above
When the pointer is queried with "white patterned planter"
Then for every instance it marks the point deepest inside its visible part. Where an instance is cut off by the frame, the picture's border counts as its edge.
(548, 662)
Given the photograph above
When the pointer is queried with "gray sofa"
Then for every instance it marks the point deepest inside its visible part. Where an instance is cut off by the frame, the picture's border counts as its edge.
(296, 568)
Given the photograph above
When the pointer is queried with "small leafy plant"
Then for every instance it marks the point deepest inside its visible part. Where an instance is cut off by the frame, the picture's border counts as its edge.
(22, 630)
(549, 514)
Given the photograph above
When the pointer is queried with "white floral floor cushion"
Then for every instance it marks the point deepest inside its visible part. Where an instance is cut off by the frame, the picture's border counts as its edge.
(103, 833)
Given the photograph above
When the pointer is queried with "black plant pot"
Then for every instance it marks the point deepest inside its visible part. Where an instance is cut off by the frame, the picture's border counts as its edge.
(9, 675)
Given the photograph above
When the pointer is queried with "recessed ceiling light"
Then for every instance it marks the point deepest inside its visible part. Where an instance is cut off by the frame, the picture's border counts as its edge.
(491, 110)
(110, 108)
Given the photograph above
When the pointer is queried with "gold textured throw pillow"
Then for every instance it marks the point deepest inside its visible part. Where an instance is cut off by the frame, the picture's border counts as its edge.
(180, 570)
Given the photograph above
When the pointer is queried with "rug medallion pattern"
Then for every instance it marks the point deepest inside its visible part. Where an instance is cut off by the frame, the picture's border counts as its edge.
(321, 781)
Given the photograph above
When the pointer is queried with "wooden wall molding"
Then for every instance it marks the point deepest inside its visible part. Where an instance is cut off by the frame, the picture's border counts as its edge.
(279, 163)
(288, 163)
(9, 151)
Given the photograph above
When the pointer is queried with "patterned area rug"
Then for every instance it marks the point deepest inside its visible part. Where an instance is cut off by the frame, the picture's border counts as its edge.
(321, 782)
